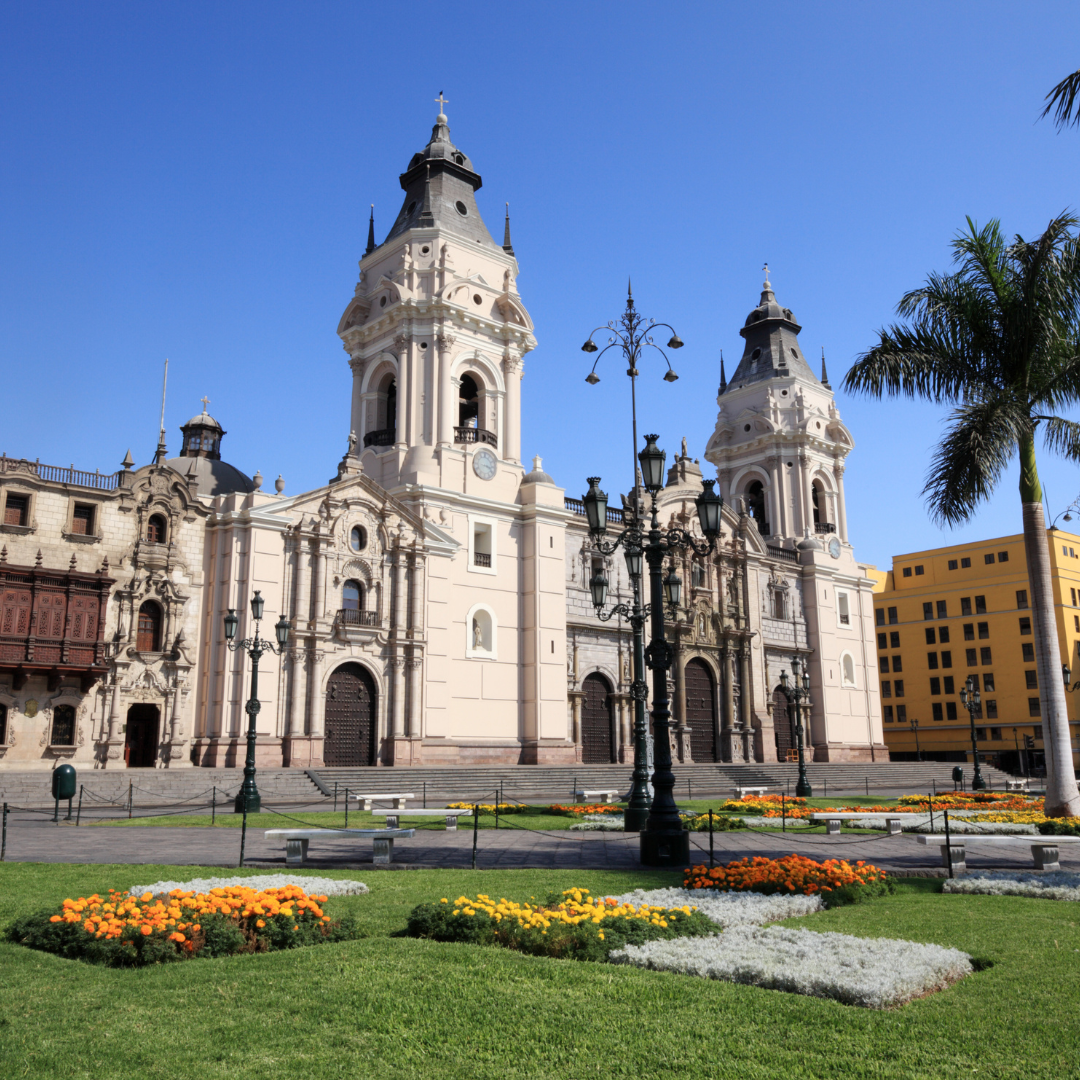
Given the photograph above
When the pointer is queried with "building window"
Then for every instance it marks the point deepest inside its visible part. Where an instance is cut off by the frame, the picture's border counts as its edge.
(965, 605)
(1076, 623)
(898, 687)
(918, 571)
(352, 596)
(930, 638)
(988, 682)
(1021, 598)
(886, 713)
(946, 658)
(980, 734)
(985, 656)
(931, 661)
(1072, 593)
(882, 641)
(1003, 556)
(988, 558)
(1029, 653)
(950, 710)
(778, 605)
(883, 665)
(886, 688)
(980, 605)
(894, 638)
(358, 538)
(991, 709)
(896, 664)
(17, 509)
(974, 681)
(965, 563)
(942, 609)
(1031, 680)
(879, 616)
(149, 634)
(935, 685)
(943, 635)
(972, 658)
(893, 620)
(928, 610)
(907, 571)
(984, 630)
(842, 608)
(1025, 625)
(847, 668)
(936, 707)
(155, 529)
(482, 553)
(950, 684)
(953, 564)
(969, 631)
(82, 520)
(995, 734)
(1033, 707)
(63, 726)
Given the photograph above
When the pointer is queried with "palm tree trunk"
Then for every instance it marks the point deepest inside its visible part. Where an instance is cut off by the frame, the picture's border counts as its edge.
(1062, 795)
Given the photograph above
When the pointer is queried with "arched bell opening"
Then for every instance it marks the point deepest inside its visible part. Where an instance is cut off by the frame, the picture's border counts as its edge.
(755, 506)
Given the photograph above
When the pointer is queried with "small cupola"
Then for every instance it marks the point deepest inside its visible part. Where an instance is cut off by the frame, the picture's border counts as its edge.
(202, 436)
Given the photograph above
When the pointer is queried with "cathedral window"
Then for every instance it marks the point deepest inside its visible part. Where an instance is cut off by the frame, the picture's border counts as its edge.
(3, 724)
(82, 519)
(63, 726)
(352, 596)
(155, 529)
(16, 509)
(148, 638)
(779, 604)
(843, 610)
(482, 546)
(358, 538)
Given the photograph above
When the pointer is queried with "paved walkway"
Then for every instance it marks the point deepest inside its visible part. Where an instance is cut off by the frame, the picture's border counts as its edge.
(31, 838)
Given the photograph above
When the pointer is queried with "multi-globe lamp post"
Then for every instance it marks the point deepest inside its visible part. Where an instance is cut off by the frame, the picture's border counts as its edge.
(630, 334)
(799, 692)
(663, 841)
(247, 798)
(971, 699)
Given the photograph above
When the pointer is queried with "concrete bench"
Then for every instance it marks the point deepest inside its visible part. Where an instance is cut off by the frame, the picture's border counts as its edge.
(296, 841)
(451, 816)
(398, 799)
(604, 796)
(833, 821)
(743, 791)
(1044, 852)
(1016, 785)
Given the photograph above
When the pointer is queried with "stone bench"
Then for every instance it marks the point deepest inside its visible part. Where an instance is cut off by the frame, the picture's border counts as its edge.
(833, 821)
(743, 791)
(398, 799)
(296, 841)
(1044, 852)
(1016, 785)
(604, 796)
(451, 816)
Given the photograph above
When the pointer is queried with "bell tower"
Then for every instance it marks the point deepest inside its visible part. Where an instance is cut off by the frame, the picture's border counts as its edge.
(779, 444)
(436, 334)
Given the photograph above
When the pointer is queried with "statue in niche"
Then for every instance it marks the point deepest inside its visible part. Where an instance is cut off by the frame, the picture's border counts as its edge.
(477, 634)
(703, 626)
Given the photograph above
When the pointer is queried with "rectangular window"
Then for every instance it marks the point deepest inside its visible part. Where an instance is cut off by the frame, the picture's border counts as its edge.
(842, 608)
(943, 635)
(883, 665)
(969, 631)
(965, 605)
(942, 609)
(1072, 593)
(901, 714)
(972, 658)
(974, 680)
(1021, 598)
(1029, 652)
(896, 664)
(965, 563)
(988, 558)
(894, 639)
(898, 687)
(879, 616)
(928, 610)
(882, 641)
(980, 605)
(950, 685)
(886, 688)
(893, 620)
(953, 564)
(1033, 707)
(984, 630)
(886, 713)
(1025, 625)
(991, 709)
(950, 710)
(931, 661)
(937, 710)
(1064, 549)
(907, 571)
(1031, 680)
(1076, 623)
(935, 685)
(1003, 556)
(16, 509)
(930, 638)
(82, 520)
(985, 656)
(778, 606)
(995, 734)
(988, 682)
(946, 658)
(980, 734)
(918, 571)
(483, 547)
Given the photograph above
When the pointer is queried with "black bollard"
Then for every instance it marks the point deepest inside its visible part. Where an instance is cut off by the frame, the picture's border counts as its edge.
(783, 813)
(78, 815)
(213, 807)
(475, 826)
(710, 839)
(948, 842)
(3, 834)
(243, 833)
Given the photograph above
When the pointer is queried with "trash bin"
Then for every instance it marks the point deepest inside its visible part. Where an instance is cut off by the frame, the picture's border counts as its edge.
(63, 782)
(957, 775)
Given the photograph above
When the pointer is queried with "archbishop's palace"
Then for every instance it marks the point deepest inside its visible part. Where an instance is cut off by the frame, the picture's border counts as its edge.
(437, 588)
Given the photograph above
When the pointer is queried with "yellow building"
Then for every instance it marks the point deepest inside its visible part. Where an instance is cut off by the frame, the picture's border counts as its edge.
(947, 613)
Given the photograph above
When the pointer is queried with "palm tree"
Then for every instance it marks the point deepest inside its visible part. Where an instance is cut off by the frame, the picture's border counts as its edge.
(1062, 102)
(999, 340)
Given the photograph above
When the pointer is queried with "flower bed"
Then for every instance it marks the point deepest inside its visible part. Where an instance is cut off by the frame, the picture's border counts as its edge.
(324, 885)
(720, 823)
(872, 972)
(1069, 826)
(489, 808)
(836, 880)
(600, 823)
(728, 908)
(584, 809)
(127, 931)
(572, 924)
(1058, 885)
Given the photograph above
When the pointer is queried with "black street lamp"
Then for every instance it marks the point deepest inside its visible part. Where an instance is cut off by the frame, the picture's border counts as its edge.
(971, 700)
(248, 795)
(914, 724)
(800, 691)
(630, 334)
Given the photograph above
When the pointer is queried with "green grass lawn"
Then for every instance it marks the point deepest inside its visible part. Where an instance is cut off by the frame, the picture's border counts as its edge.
(388, 1006)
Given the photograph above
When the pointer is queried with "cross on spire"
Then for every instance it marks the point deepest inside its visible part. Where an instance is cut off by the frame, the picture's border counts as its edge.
(443, 102)
(205, 401)
(766, 269)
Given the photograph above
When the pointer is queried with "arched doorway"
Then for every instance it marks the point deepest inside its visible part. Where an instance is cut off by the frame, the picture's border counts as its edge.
(783, 726)
(596, 721)
(141, 740)
(350, 717)
(700, 710)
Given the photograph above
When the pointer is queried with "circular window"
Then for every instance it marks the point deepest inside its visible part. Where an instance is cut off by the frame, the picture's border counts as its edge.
(382, 301)
(746, 427)
(790, 463)
(411, 207)
(819, 425)
(424, 250)
(477, 298)
(783, 393)
(358, 538)
(755, 354)
(461, 208)
(795, 353)
(423, 345)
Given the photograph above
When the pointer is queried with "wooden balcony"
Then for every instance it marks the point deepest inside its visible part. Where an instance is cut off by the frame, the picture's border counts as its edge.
(475, 435)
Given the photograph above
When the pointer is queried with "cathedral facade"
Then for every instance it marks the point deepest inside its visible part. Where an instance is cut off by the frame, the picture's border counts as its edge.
(437, 591)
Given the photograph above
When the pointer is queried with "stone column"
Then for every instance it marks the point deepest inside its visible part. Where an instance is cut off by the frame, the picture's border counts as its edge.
(412, 720)
(115, 742)
(447, 390)
(776, 492)
(746, 701)
(398, 718)
(296, 701)
(841, 516)
(320, 579)
(680, 726)
(512, 372)
(317, 707)
(806, 501)
(356, 415)
(728, 741)
(398, 632)
(576, 698)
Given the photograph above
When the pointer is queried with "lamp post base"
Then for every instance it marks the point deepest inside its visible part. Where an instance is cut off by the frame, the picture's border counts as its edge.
(254, 803)
(634, 818)
(665, 848)
(803, 790)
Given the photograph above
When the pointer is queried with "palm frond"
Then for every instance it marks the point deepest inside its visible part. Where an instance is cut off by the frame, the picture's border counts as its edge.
(1061, 101)
(1063, 437)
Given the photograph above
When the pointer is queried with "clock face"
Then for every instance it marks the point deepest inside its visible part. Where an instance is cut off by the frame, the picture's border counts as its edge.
(834, 548)
(484, 464)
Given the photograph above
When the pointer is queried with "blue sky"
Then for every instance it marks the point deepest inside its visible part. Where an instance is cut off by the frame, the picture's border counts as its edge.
(192, 181)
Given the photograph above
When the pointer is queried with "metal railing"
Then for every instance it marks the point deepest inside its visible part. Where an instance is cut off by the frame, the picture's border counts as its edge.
(352, 617)
(824, 527)
(481, 558)
(57, 474)
(475, 435)
(382, 437)
(576, 506)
